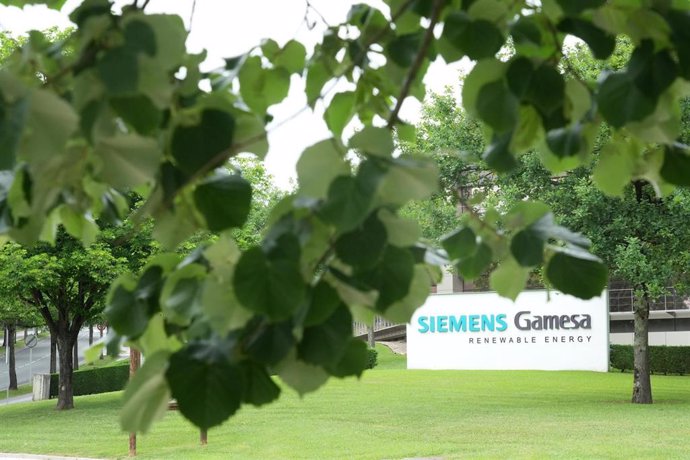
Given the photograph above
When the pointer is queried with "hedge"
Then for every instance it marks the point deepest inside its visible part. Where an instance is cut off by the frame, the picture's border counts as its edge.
(662, 359)
(94, 381)
(372, 358)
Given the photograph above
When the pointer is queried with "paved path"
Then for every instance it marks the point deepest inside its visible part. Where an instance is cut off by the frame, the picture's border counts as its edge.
(40, 360)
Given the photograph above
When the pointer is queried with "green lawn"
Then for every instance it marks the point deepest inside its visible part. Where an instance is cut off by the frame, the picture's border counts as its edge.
(394, 413)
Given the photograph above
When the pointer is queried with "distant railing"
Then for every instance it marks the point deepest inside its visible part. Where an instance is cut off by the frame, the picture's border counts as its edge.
(379, 324)
(622, 300)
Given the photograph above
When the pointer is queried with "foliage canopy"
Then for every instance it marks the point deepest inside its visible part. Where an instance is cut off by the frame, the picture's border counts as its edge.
(80, 129)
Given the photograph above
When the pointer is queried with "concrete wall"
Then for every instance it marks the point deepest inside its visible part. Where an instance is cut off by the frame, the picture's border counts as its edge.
(674, 338)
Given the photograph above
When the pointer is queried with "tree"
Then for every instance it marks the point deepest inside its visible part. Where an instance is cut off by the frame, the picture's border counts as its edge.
(117, 114)
(13, 314)
(618, 224)
(66, 284)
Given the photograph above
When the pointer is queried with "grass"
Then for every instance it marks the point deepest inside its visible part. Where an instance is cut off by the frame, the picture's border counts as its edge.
(21, 390)
(393, 413)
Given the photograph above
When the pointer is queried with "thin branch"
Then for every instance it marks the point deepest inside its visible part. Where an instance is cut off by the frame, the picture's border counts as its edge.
(146, 2)
(318, 13)
(417, 64)
(191, 15)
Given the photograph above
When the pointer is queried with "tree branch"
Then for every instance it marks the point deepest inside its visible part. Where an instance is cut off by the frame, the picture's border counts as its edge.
(417, 64)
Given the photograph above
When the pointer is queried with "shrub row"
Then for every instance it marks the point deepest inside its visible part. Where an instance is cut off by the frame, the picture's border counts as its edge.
(662, 359)
(114, 378)
(94, 381)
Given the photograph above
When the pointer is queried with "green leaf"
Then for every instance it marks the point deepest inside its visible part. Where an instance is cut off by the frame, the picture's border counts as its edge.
(362, 247)
(140, 38)
(12, 118)
(347, 204)
(147, 395)
(409, 178)
(497, 106)
(527, 246)
(460, 244)
(548, 228)
(124, 313)
(55, 119)
(486, 70)
(318, 166)
(139, 112)
(599, 41)
(491, 10)
(202, 146)
(353, 361)
(391, 277)
(519, 75)
(676, 167)
(402, 232)
(269, 48)
(127, 160)
(498, 156)
(509, 279)
(260, 88)
(528, 132)
(420, 288)
(615, 168)
(403, 49)
(340, 111)
(224, 201)
(575, 274)
(268, 343)
(546, 89)
(579, 99)
(259, 387)
(208, 388)
(119, 71)
(653, 72)
(274, 288)
(566, 142)
(525, 213)
(477, 39)
(323, 302)
(474, 266)
(527, 34)
(250, 135)
(181, 295)
(317, 76)
(171, 36)
(575, 7)
(291, 57)
(373, 141)
(621, 101)
(300, 376)
(324, 344)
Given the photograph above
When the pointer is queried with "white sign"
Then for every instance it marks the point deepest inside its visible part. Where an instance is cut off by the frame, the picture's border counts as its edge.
(485, 331)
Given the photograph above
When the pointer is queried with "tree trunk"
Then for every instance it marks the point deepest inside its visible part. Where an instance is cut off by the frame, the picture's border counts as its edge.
(26, 332)
(75, 358)
(90, 334)
(370, 337)
(65, 346)
(53, 353)
(642, 385)
(4, 336)
(11, 336)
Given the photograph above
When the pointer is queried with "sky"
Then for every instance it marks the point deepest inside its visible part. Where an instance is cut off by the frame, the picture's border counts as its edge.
(227, 28)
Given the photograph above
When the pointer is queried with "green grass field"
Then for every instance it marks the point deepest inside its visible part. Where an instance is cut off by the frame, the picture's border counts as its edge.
(393, 413)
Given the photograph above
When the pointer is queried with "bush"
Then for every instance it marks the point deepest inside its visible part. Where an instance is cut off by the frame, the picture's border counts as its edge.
(662, 359)
(621, 357)
(94, 381)
(372, 358)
